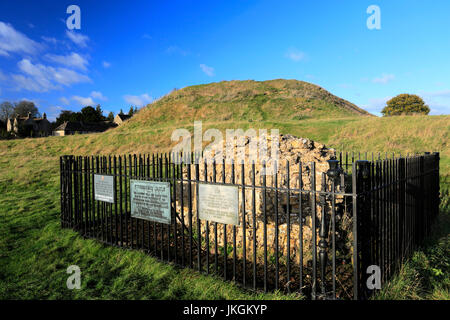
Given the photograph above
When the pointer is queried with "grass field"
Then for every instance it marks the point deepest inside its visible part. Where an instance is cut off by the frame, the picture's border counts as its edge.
(35, 251)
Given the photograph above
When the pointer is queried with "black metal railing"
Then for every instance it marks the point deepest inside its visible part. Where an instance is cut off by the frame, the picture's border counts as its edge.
(302, 229)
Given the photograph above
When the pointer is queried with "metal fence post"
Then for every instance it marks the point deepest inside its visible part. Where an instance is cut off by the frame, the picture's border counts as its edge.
(355, 235)
(436, 191)
(361, 212)
(401, 179)
(323, 236)
(422, 212)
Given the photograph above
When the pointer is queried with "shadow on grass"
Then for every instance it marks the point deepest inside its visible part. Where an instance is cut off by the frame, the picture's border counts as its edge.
(425, 275)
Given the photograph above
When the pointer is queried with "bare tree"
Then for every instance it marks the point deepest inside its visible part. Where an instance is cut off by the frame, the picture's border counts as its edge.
(24, 107)
(6, 110)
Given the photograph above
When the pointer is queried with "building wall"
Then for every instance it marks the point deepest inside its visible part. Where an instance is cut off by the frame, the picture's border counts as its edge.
(9, 125)
(39, 128)
(44, 127)
(117, 120)
(16, 126)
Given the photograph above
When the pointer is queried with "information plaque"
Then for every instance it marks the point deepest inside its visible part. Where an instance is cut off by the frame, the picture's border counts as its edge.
(104, 188)
(150, 200)
(218, 203)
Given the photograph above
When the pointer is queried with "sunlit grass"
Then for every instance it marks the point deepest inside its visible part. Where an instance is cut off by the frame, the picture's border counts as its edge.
(35, 251)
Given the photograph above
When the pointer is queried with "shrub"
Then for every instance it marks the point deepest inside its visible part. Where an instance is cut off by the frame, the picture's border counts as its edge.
(405, 104)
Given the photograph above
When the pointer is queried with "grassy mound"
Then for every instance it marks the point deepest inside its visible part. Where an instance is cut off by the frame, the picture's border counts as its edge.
(35, 251)
(247, 100)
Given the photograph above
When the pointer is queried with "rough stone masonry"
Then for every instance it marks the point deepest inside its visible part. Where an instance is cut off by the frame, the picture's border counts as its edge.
(299, 152)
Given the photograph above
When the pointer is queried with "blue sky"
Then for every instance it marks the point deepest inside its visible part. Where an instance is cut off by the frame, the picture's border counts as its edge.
(131, 52)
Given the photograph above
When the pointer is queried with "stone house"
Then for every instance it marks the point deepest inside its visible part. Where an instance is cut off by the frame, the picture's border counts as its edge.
(79, 127)
(120, 118)
(35, 127)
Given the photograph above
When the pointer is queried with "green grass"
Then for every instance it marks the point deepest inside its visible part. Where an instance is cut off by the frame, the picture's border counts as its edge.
(35, 251)
(426, 274)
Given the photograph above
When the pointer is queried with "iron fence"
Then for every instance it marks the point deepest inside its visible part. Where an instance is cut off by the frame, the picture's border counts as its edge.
(304, 229)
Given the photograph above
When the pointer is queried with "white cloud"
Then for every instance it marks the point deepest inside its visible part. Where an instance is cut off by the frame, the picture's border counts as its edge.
(71, 60)
(438, 101)
(64, 100)
(295, 55)
(84, 101)
(209, 71)
(88, 101)
(138, 100)
(385, 78)
(49, 39)
(26, 83)
(41, 78)
(98, 95)
(78, 38)
(375, 105)
(12, 40)
(146, 36)
(106, 64)
(53, 112)
(177, 50)
(68, 77)
(437, 94)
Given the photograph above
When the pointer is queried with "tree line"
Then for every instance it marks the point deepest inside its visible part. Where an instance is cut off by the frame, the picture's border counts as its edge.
(89, 115)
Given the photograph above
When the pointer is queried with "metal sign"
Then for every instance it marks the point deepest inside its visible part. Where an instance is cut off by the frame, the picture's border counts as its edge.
(150, 200)
(104, 188)
(218, 203)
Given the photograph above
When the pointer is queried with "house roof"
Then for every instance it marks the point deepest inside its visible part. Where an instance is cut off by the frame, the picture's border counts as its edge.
(22, 119)
(123, 116)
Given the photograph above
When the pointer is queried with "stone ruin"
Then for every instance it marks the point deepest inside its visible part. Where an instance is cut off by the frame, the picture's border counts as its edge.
(296, 151)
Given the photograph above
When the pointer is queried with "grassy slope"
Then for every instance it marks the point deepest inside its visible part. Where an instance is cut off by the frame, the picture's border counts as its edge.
(35, 251)
(250, 101)
(426, 274)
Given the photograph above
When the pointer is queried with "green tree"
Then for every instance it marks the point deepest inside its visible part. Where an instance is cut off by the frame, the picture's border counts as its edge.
(100, 112)
(89, 114)
(131, 112)
(405, 104)
(67, 115)
(110, 116)
(121, 112)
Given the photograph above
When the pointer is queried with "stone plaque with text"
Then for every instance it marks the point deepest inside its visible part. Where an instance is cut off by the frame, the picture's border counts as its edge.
(150, 200)
(104, 188)
(218, 203)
